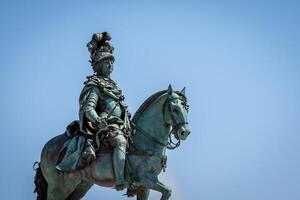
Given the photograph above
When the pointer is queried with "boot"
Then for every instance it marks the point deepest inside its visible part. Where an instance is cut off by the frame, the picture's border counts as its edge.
(119, 157)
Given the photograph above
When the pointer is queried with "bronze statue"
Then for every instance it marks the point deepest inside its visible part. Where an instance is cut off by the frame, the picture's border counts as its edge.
(107, 148)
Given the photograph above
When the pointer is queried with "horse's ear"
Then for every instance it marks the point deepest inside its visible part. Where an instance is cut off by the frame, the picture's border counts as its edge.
(183, 91)
(170, 90)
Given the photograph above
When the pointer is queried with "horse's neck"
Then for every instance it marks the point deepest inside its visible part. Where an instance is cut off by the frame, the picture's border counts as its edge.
(151, 124)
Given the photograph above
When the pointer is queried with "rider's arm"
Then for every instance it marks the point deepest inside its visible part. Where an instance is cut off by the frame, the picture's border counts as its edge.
(90, 105)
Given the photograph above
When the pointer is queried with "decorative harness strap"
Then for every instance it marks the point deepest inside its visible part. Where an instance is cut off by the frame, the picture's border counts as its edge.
(149, 137)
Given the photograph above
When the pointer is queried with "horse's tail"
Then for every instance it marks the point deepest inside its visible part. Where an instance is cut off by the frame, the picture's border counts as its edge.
(40, 183)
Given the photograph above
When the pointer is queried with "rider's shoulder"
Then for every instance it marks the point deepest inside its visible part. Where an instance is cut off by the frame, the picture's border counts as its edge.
(90, 84)
(94, 80)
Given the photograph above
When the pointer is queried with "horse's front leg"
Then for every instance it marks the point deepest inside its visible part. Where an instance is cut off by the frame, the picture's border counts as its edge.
(143, 194)
(165, 190)
(160, 187)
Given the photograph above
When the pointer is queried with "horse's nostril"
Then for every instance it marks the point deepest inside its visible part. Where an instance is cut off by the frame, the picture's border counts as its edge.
(188, 132)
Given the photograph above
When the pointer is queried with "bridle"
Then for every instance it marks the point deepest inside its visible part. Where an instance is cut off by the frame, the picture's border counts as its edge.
(175, 127)
(175, 124)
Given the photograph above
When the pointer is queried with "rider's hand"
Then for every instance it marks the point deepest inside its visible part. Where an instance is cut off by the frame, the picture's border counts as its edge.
(101, 123)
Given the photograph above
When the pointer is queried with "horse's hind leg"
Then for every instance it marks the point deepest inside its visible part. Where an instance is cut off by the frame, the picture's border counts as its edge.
(62, 186)
(143, 194)
(57, 193)
(80, 191)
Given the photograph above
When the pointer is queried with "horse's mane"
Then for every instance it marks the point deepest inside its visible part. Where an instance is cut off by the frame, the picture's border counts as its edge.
(146, 103)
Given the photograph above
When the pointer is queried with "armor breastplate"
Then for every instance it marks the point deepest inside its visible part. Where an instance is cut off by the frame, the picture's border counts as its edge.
(109, 103)
(112, 108)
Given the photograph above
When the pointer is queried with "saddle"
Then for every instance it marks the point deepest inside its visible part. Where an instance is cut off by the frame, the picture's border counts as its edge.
(71, 156)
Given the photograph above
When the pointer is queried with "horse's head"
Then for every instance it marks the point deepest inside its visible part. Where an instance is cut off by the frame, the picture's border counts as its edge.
(175, 111)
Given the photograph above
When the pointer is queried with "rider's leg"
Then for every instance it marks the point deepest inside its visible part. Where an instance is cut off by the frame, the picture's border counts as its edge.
(119, 156)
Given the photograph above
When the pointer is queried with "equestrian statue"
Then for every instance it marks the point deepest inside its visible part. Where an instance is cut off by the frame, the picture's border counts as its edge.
(107, 146)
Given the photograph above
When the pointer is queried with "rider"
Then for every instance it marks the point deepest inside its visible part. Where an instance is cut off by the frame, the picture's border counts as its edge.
(102, 109)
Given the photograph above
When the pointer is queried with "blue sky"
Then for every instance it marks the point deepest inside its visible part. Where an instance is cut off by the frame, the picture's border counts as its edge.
(238, 59)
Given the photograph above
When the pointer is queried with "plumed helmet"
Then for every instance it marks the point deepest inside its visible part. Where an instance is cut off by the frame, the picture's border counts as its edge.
(100, 48)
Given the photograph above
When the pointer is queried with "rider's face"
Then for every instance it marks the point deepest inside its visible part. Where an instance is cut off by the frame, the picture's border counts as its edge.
(106, 67)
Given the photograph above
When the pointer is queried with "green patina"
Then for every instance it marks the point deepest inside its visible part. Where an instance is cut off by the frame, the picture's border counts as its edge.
(132, 160)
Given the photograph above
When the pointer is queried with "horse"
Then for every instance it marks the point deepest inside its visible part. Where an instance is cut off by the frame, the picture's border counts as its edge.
(161, 118)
